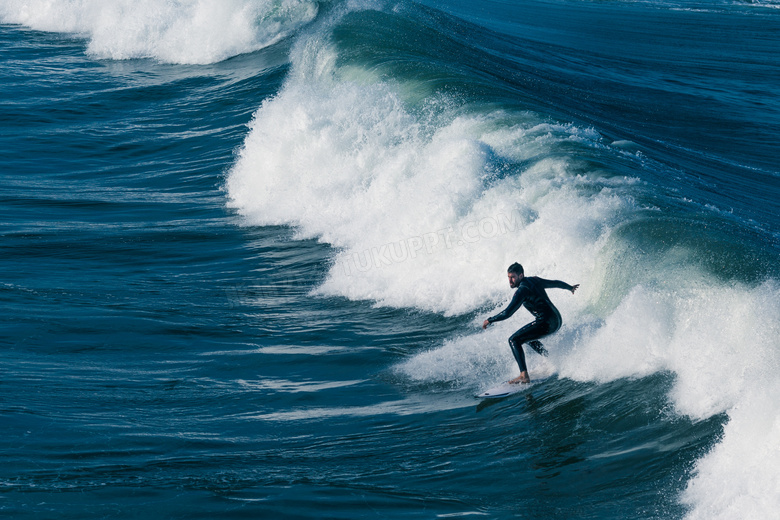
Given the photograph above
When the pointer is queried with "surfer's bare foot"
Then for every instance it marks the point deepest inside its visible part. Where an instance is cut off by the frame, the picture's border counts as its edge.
(522, 379)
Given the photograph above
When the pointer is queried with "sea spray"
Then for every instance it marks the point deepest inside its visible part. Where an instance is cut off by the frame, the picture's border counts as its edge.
(738, 477)
(415, 197)
(184, 31)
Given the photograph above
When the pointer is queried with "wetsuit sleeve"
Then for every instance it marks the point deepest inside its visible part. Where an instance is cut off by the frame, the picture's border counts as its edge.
(517, 301)
(554, 284)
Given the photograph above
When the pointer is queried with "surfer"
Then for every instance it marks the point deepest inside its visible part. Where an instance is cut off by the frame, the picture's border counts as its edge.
(530, 294)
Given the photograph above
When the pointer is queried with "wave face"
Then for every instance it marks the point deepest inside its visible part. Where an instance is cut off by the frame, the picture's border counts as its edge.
(182, 31)
(429, 181)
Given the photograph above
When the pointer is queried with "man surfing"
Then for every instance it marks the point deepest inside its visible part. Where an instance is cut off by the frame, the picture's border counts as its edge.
(530, 294)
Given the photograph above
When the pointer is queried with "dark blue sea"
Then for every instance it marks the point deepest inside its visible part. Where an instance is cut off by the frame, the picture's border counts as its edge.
(246, 247)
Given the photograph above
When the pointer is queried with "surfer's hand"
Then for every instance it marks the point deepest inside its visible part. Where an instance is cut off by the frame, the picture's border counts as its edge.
(485, 324)
(574, 288)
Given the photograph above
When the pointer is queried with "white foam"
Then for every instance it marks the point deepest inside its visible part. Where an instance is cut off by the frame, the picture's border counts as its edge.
(181, 31)
(739, 477)
(733, 366)
(412, 199)
(475, 361)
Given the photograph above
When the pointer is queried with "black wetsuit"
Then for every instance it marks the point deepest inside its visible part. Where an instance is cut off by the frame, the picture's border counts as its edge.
(531, 294)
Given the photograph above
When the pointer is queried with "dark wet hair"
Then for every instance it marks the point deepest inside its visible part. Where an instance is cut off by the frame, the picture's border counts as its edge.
(515, 268)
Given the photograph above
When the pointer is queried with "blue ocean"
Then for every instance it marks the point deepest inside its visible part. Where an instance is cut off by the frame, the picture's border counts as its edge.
(248, 246)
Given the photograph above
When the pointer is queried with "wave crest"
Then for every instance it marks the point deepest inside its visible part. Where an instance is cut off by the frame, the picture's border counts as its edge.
(182, 31)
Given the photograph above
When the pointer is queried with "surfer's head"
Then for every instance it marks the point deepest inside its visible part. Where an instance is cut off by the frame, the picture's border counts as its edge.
(515, 274)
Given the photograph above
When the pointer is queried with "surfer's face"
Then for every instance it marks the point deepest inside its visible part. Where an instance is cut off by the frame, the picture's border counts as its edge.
(514, 279)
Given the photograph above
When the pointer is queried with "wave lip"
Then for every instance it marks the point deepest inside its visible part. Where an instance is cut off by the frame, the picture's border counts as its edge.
(182, 31)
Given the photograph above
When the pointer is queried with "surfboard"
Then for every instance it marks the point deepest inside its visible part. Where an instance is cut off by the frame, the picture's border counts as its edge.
(503, 390)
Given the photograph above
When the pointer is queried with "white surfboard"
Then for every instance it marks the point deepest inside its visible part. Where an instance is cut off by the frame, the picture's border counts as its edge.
(503, 390)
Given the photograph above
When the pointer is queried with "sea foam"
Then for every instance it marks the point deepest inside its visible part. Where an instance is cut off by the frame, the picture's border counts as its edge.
(182, 31)
(418, 200)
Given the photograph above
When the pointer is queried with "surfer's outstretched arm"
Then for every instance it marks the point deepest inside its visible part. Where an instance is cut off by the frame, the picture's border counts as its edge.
(557, 284)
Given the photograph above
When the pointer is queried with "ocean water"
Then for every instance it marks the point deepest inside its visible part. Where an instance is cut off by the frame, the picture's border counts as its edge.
(247, 246)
